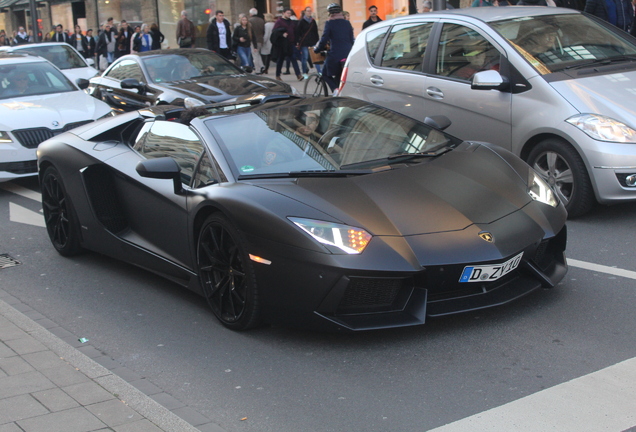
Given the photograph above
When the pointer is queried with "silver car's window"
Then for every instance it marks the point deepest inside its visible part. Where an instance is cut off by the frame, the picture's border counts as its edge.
(406, 46)
(62, 56)
(175, 140)
(126, 69)
(463, 52)
(554, 42)
(374, 38)
(28, 79)
(321, 137)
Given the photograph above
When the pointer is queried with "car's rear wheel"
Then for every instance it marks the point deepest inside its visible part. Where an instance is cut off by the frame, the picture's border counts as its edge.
(59, 216)
(227, 274)
(561, 166)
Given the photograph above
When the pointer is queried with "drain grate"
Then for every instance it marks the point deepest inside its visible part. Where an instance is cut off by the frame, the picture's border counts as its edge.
(8, 261)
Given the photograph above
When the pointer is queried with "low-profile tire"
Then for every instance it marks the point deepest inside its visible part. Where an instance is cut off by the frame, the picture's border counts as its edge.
(561, 166)
(59, 215)
(315, 86)
(227, 274)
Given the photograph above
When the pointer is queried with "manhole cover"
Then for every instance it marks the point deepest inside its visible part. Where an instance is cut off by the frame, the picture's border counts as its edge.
(7, 261)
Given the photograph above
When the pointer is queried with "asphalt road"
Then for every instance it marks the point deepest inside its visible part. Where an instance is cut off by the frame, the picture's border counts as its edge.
(285, 379)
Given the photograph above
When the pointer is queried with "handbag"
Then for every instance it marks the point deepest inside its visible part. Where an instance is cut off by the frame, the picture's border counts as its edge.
(185, 42)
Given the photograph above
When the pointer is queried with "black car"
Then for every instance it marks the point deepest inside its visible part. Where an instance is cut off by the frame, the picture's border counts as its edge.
(173, 76)
(329, 211)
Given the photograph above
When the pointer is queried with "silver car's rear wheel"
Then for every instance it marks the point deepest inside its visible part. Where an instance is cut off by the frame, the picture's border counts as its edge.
(562, 168)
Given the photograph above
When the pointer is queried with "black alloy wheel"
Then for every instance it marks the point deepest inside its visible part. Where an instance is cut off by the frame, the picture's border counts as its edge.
(562, 168)
(59, 217)
(227, 274)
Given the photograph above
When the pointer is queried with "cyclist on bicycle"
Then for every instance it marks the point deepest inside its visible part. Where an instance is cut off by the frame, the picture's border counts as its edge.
(339, 34)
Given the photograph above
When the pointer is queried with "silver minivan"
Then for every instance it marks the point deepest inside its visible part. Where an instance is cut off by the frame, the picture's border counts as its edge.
(554, 86)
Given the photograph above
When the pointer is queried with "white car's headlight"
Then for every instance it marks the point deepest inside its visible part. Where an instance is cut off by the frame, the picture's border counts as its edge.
(603, 128)
(540, 191)
(346, 238)
(5, 138)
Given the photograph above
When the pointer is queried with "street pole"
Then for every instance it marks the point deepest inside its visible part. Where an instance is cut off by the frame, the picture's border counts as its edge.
(34, 20)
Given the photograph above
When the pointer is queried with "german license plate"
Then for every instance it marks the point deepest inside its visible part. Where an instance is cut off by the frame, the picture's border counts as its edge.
(488, 273)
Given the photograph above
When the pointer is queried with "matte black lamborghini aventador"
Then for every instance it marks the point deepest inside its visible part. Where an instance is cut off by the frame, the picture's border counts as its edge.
(327, 211)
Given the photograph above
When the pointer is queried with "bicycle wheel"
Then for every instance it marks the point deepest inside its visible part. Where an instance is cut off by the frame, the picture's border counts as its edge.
(315, 86)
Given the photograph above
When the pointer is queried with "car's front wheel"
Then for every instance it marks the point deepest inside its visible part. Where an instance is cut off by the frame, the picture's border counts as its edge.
(227, 274)
(59, 216)
(561, 166)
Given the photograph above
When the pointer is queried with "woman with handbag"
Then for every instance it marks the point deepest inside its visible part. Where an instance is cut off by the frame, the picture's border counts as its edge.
(308, 31)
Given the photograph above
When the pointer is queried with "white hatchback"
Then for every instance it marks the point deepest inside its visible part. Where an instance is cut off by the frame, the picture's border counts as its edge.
(37, 102)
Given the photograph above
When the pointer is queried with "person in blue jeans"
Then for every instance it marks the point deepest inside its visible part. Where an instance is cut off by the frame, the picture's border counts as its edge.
(339, 34)
(243, 38)
(307, 34)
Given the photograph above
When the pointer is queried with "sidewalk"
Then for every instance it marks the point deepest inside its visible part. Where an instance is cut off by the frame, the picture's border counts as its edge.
(47, 385)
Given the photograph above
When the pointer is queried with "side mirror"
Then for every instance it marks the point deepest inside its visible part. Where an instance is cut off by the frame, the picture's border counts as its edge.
(489, 80)
(161, 168)
(132, 83)
(440, 122)
(82, 83)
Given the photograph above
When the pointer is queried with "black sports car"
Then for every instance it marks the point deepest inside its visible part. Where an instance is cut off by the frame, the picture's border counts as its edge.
(173, 76)
(327, 211)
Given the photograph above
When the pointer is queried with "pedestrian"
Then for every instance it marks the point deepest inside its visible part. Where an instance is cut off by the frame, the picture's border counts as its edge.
(242, 39)
(427, 6)
(59, 35)
(346, 15)
(186, 32)
(617, 12)
(21, 37)
(283, 41)
(135, 40)
(79, 42)
(482, 3)
(91, 43)
(266, 50)
(373, 17)
(157, 36)
(258, 28)
(111, 22)
(219, 35)
(143, 39)
(238, 23)
(4, 40)
(48, 37)
(339, 34)
(106, 47)
(307, 37)
(123, 39)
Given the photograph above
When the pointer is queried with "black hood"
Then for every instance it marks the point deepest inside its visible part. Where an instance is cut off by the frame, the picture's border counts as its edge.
(222, 87)
(448, 193)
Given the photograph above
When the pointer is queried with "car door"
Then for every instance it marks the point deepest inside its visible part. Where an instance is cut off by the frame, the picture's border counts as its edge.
(483, 115)
(113, 94)
(395, 78)
(157, 216)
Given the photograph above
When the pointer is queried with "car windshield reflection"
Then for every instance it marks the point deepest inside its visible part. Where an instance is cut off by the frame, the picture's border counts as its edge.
(61, 56)
(29, 79)
(187, 65)
(324, 137)
(555, 42)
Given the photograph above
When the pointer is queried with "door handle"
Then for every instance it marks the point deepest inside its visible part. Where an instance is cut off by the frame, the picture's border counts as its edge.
(435, 93)
(376, 80)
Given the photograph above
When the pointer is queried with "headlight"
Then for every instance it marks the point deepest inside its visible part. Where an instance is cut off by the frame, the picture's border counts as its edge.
(540, 191)
(603, 128)
(348, 239)
(5, 138)
(192, 102)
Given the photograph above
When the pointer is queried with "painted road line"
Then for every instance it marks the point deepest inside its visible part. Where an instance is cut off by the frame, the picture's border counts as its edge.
(602, 269)
(601, 401)
(23, 215)
(19, 190)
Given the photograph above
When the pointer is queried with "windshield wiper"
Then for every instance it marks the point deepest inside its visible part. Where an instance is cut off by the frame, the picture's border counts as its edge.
(315, 173)
(401, 157)
(603, 62)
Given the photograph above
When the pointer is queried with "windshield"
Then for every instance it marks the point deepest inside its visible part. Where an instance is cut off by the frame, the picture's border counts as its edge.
(325, 136)
(554, 42)
(28, 79)
(61, 56)
(176, 67)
